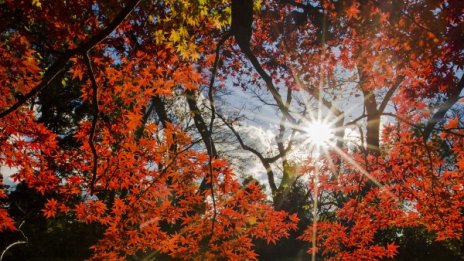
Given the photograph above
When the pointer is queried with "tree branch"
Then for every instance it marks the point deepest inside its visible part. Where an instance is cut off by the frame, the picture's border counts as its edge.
(353, 122)
(420, 127)
(265, 161)
(389, 94)
(60, 63)
(211, 123)
(270, 85)
(146, 115)
(19, 242)
(202, 128)
(453, 97)
(10, 246)
(94, 120)
(315, 93)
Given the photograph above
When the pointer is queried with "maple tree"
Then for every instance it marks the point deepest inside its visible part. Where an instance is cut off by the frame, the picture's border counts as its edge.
(111, 113)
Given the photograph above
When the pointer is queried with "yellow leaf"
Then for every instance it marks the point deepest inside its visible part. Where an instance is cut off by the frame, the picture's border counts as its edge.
(252, 220)
(159, 37)
(195, 56)
(175, 36)
(37, 3)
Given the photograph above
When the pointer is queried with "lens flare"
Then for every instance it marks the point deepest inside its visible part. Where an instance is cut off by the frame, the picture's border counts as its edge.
(320, 133)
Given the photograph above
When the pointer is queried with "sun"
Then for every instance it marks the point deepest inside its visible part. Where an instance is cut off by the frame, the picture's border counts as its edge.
(320, 133)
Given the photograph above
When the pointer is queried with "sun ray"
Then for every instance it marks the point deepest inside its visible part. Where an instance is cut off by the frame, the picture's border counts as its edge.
(315, 208)
(358, 167)
(363, 171)
(329, 160)
(319, 133)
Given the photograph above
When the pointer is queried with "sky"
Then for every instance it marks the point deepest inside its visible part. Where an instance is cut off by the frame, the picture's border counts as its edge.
(6, 174)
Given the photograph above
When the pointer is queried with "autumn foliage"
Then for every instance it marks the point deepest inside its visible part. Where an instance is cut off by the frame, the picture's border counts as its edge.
(107, 110)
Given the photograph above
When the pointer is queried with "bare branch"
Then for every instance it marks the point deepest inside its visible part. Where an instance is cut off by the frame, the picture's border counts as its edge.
(419, 127)
(353, 122)
(389, 94)
(19, 242)
(264, 160)
(211, 123)
(10, 246)
(94, 120)
(270, 85)
(453, 98)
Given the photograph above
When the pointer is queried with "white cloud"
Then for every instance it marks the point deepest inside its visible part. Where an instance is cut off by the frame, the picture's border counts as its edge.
(6, 173)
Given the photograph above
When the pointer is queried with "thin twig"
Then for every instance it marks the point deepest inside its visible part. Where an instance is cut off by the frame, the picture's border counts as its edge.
(265, 161)
(10, 246)
(421, 127)
(418, 24)
(19, 242)
(211, 123)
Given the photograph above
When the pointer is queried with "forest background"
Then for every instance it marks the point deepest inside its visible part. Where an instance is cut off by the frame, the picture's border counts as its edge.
(231, 130)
